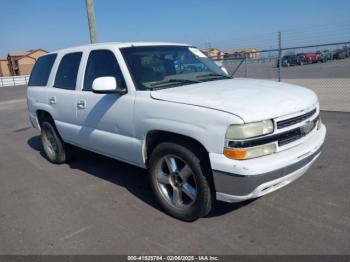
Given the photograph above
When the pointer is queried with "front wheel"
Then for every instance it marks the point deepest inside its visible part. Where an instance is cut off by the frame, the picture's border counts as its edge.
(179, 181)
(55, 149)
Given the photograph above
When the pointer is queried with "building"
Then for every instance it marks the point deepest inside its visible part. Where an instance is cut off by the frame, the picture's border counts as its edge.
(21, 63)
(214, 53)
(4, 67)
(250, 53)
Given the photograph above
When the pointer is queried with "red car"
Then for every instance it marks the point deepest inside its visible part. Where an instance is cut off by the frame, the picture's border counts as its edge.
(309, 57)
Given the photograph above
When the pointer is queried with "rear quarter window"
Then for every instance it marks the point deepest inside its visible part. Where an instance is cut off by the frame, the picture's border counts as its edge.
(41, 71)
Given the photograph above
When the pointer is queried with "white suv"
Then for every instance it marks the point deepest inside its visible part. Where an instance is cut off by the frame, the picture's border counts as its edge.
(168, 108)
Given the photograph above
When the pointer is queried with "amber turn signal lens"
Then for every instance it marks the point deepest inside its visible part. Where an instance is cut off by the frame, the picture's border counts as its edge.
(235, 153)
(250, 152)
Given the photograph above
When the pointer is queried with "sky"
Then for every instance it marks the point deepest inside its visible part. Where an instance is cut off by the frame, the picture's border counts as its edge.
(49, 24)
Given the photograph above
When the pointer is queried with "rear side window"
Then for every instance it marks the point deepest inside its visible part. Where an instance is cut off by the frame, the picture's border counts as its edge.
(67, 71)
(102, 63)
(41, 71)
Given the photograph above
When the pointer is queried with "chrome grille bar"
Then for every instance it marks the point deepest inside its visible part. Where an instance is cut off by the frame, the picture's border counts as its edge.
(295, 120)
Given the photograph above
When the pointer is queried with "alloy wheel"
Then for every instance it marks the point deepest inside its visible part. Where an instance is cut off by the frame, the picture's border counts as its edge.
(50, 142)
(176, 181)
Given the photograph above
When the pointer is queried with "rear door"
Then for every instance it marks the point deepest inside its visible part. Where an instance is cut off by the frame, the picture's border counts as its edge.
(62, 96)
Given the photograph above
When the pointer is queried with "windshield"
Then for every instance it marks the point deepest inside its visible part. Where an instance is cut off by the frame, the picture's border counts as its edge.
(156, 67)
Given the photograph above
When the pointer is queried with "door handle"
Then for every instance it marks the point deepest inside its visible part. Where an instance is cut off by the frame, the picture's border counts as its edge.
(52, 100)
(81, 104)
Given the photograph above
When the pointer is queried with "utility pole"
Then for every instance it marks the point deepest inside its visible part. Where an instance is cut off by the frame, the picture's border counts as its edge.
(279, 56)
(91, 18)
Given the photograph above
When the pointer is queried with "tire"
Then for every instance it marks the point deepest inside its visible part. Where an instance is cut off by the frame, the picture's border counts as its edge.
(179, 181)
(56, 151)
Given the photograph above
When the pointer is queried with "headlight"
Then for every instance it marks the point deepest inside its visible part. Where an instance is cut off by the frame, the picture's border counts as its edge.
(250, 152)
(249, 130)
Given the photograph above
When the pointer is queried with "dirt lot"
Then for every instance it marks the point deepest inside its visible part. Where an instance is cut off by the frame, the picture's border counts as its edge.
(96, 205)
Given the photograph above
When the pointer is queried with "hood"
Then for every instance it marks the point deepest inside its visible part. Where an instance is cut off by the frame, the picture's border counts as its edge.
(252, 100)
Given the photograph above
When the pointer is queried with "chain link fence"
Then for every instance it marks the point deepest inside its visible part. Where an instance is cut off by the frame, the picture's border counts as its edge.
(323, 68)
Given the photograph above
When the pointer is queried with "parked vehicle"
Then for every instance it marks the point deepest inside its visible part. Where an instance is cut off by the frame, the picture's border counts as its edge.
(324, 56)
(339, 54)
(347, 50)
(310, 58)
(291, 60)
(202, 135)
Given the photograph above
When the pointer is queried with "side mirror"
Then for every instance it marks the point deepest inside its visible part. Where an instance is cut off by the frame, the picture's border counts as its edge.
(106, 85)
(224, 70)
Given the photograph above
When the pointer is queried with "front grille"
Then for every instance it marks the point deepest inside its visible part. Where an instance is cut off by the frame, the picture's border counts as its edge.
(282, 138)
(297, 133)
(295, 120)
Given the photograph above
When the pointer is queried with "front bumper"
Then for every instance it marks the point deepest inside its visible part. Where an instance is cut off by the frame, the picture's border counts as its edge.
(34, 121)
(237, 181)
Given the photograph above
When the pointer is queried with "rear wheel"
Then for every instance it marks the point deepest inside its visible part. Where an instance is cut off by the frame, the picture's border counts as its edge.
(179, 181)
(55, 149)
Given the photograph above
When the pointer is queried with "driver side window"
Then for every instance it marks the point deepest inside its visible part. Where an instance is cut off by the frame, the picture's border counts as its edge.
(102, 63)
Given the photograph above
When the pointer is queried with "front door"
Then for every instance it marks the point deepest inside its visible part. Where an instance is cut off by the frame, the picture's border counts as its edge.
(106, 120)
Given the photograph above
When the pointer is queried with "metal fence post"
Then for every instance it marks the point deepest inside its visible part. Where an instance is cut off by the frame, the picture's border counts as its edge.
(279, 56)
(245, 66)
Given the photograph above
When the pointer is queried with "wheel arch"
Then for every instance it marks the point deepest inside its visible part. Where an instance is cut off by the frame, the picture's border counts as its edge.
(42, 115)
(155, 137)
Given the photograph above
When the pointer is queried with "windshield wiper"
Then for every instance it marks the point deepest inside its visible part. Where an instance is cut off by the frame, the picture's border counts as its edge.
(174, 80)
(215, 75)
